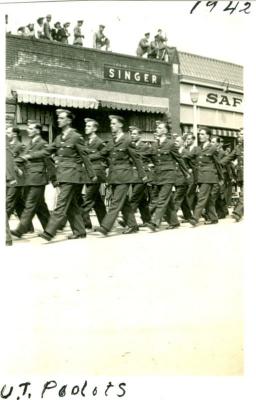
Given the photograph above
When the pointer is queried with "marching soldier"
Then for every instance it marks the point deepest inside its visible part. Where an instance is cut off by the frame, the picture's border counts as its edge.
(122, 157)
(209, 174)
(164, 159)
(238, 154)
(139, 198)
(95, 148)
(71, 164)
(36, 178)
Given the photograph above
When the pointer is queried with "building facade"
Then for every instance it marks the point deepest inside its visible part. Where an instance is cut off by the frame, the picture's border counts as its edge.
(42, 76)
(220, 90)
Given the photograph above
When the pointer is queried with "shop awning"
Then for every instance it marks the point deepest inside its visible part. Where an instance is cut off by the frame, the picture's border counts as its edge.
(64, 96)
(55, 99)
(218, 132)
(225, 132)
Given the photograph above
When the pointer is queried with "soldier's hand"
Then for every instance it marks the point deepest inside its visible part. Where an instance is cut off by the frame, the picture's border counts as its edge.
(144, 179)
(13, 182)
(221, 182)
(26, 157)
(188, 176)
(94, 179)
(19, 172)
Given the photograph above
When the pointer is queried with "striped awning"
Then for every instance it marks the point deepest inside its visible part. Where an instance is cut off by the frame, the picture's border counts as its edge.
(218, 132)
(225, 132)
(65, 96)
(54, 99)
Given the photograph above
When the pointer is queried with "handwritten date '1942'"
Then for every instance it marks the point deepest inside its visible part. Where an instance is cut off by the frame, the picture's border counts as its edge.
(231, 7)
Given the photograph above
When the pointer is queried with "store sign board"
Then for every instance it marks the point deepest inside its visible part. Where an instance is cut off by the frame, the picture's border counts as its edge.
(128, 75)
(213, 98)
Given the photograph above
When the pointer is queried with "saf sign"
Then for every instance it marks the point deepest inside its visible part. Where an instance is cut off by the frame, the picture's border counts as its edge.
(223, 99)
(131, 76)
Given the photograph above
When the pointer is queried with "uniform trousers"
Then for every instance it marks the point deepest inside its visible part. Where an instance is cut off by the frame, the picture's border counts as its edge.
(239, 208)
(192, 195)
(161, 201)
(93, 199)
(139, 200)
(206, 196)
(119, 202)
(34, 204)
(67, 208)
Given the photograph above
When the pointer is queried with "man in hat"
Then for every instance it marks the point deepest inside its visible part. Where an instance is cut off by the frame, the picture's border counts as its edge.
(161, 44)
(143, 45)
(72, 163)
(40, 28)
(64, 33)
(96, 150)
(122, 158)
(238, 154)
(78, 36)
(100, 40)
(56, 32)
(209, 174)
(165, 158)
(36, 178)
(139, 198)
(48, 28)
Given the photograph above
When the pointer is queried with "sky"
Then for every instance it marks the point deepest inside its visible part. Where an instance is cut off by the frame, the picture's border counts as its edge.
(213, 34)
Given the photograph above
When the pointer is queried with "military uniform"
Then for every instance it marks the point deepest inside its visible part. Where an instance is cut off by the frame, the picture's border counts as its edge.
(165, 157)
(35, 178)
(238, 154)
(96, 150)
(72, 163)
(209, 174)
(122, 156)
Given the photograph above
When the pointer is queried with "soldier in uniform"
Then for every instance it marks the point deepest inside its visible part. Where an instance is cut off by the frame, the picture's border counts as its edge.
(238, 154)
(122, 157)
(100, 40)
(78, 36)
(164, 158)
(48, 28)
(192, 153)
(143, 45)
(139, 198)
(209, 174)
(71, 162)
(95, 149)
(36, 177)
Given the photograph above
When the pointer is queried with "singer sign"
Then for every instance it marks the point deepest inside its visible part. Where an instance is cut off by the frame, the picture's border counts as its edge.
(132, 76)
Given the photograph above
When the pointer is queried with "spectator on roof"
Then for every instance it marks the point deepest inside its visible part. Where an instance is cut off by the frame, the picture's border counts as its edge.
(143, 45)
(100, 40)
(21, 31)
(40, 28)
(78, 36)
(56, 32)
(47, 27)
(64, 33)
(30, 31)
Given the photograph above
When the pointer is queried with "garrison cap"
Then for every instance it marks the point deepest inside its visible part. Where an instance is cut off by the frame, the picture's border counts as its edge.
(118, 117)
(80, 20)
(102, 26)
(133, 127)
(91, 120)
(147, 34)
(48, 16)
(68, 112)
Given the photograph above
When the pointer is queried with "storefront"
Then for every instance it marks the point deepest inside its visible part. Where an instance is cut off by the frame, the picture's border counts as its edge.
(220, 96)
(44, 76)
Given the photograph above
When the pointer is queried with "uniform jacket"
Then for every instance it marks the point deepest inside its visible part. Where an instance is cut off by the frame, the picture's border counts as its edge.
(37, 171)
(78, 37)
(145, 151)
(180, 177)
(10, 167)
(165, 158)
(97, 150)
(71, 159)
(209, 168)
(236, 154)
(17, 149)
(47, 31)
(122, 157)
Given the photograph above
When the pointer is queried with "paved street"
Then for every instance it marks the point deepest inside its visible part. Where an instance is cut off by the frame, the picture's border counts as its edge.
(142, 304)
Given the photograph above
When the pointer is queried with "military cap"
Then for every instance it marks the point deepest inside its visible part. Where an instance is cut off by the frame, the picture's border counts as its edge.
(66, 24)
(147, 34)
(118, 117)
(48, 16)
(102, 26)
(39, 19)
(60, 110)
(133, 127)
(91, 120)
(80, 20)
(69, 113)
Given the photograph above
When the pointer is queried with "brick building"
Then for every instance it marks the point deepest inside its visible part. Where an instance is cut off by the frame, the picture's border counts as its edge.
(42, 76)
